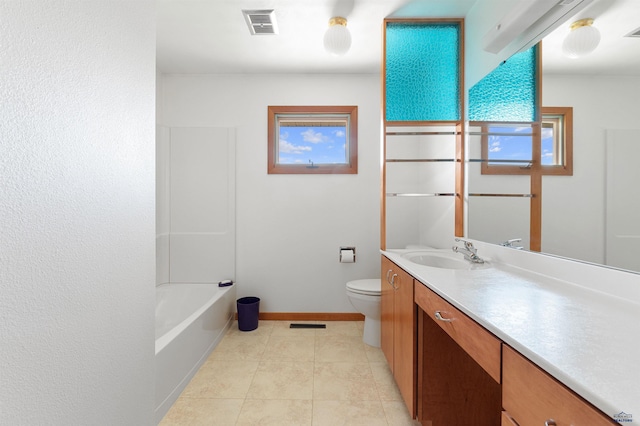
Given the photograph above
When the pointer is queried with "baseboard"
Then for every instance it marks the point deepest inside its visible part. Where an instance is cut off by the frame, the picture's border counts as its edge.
(310, 316)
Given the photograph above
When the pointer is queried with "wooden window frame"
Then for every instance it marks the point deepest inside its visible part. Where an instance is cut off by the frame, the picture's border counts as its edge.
(274, 112)
(565, 169)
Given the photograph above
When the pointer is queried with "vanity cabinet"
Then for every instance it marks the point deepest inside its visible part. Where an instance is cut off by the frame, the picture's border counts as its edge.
(398, 329)
(458, 366)
(531, 397)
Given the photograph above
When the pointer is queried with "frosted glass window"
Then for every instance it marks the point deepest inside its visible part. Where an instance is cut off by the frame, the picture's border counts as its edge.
(509, 92)
(422, 71)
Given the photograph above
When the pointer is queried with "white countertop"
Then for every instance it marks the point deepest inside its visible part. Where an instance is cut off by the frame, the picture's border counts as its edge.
(585, 338)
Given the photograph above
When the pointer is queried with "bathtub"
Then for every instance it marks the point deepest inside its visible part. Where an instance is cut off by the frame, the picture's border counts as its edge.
(190, 321)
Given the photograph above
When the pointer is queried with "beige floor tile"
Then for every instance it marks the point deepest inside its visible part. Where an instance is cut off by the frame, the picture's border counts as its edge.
(290, 348)
(374, 354)
(222, 379)
(385, 383)
(264, 327)
(238, 345)
(397, 414)
(282, 380)
(340, 328)
(198, 411)
(351, 413)
(277, 412)
(340, 349)
(344, 381)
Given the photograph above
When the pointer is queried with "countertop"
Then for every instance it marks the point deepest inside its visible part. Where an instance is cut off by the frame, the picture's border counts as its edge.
(585, 338)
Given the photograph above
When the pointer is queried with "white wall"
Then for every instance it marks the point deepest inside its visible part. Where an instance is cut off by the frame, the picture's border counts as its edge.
(290, 227)
(599, 103)
(77, 212)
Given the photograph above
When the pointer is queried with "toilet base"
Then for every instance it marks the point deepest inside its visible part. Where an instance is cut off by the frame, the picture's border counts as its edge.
(371, 335)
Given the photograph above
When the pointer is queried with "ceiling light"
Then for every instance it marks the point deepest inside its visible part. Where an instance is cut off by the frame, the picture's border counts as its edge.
(582, 40)
(337, 39)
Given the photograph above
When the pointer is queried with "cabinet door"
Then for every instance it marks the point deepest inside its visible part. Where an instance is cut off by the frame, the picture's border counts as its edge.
(386, 311)
(532, 397)
(404, 338)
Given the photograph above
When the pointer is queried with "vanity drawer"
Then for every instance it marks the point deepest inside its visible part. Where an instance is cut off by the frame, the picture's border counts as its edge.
(532, 397)
(481, 345)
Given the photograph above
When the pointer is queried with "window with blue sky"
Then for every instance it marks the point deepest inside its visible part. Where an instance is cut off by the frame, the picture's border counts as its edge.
(507, 148)
(515, 143)
(312, 140)
(312, 143)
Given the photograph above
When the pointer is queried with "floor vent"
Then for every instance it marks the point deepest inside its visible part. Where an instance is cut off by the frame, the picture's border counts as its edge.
(261, 22)
(307, 326)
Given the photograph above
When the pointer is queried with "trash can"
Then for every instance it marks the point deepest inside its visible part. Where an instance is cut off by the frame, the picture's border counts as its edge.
(248, 312)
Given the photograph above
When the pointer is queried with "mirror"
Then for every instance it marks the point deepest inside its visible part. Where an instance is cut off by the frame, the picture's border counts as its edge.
(593, 214)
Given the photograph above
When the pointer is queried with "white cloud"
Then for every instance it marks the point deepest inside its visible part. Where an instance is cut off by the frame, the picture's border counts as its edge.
(495, 147)
(289, 148)
(310, 136)
(339, 133)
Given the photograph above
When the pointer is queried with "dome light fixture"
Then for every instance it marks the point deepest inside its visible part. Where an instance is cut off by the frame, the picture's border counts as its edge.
(582, 40)
(337, 39)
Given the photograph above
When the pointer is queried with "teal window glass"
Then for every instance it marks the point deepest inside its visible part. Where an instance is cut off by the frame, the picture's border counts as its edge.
(508, 93)
(422, 71)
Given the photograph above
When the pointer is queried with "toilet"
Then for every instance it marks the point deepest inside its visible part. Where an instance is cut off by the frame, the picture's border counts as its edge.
(364, 295)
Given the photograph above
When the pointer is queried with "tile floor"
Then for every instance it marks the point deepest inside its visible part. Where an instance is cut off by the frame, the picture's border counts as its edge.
(280, 376)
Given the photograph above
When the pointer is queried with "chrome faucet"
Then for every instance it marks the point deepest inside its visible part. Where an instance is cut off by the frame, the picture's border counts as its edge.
(469, 251)
(509, 243)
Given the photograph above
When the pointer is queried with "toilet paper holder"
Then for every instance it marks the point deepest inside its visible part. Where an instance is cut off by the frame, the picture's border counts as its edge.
(347, 249)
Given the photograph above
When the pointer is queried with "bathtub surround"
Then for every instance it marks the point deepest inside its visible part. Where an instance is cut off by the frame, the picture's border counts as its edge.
(77, 212)
(196, 208)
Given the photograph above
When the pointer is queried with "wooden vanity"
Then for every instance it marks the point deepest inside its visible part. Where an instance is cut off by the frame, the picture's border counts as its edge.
(453, 371)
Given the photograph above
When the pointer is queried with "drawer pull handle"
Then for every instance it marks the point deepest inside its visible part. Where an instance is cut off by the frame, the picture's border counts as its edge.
(439, 317)
(388, 272)
(550, 422)
(393, 281)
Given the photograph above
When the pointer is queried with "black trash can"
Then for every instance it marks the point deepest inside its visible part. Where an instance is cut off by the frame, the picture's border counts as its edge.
(248, 312)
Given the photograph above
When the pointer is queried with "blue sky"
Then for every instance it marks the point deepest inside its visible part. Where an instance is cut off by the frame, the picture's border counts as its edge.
(321, 145)
(519, 147)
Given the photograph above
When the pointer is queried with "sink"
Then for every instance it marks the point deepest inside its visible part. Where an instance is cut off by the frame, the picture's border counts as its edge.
(442, 260)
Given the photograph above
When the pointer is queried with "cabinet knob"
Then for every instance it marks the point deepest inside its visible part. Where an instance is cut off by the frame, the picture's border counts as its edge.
(439, 317)
(550, 422)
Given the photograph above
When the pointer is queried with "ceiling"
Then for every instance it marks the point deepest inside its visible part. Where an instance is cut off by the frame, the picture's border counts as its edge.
(211, 36)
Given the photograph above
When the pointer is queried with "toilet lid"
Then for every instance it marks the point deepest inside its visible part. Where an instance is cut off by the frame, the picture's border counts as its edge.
(370, 286)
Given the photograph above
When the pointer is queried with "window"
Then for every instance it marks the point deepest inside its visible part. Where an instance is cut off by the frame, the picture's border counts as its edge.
(509, 148)
(312, 140)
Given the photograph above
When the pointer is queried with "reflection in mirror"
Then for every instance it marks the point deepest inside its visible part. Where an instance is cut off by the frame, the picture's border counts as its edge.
(499, 205)
(591, 215)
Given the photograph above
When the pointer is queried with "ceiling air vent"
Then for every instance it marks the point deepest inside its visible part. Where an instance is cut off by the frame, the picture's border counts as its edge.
(261, 22)
(634, 33)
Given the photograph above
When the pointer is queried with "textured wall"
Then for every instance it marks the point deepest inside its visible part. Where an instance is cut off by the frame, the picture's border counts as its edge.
(77, 212)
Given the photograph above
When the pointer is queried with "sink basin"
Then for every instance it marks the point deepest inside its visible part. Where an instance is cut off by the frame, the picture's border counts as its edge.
(442, 260)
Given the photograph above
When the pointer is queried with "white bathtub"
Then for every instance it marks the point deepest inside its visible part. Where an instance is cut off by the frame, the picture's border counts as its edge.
(190, 321)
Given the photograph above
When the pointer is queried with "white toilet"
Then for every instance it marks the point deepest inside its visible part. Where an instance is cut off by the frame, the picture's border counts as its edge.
(364, 295)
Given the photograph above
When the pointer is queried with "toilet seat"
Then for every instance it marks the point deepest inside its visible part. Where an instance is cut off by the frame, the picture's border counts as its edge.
(368, 287)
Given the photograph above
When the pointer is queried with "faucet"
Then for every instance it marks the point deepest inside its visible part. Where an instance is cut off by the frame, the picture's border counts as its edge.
(509, 243)
(469, 251)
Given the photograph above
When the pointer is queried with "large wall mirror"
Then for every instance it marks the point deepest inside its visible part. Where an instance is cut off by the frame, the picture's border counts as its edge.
(594, 214)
